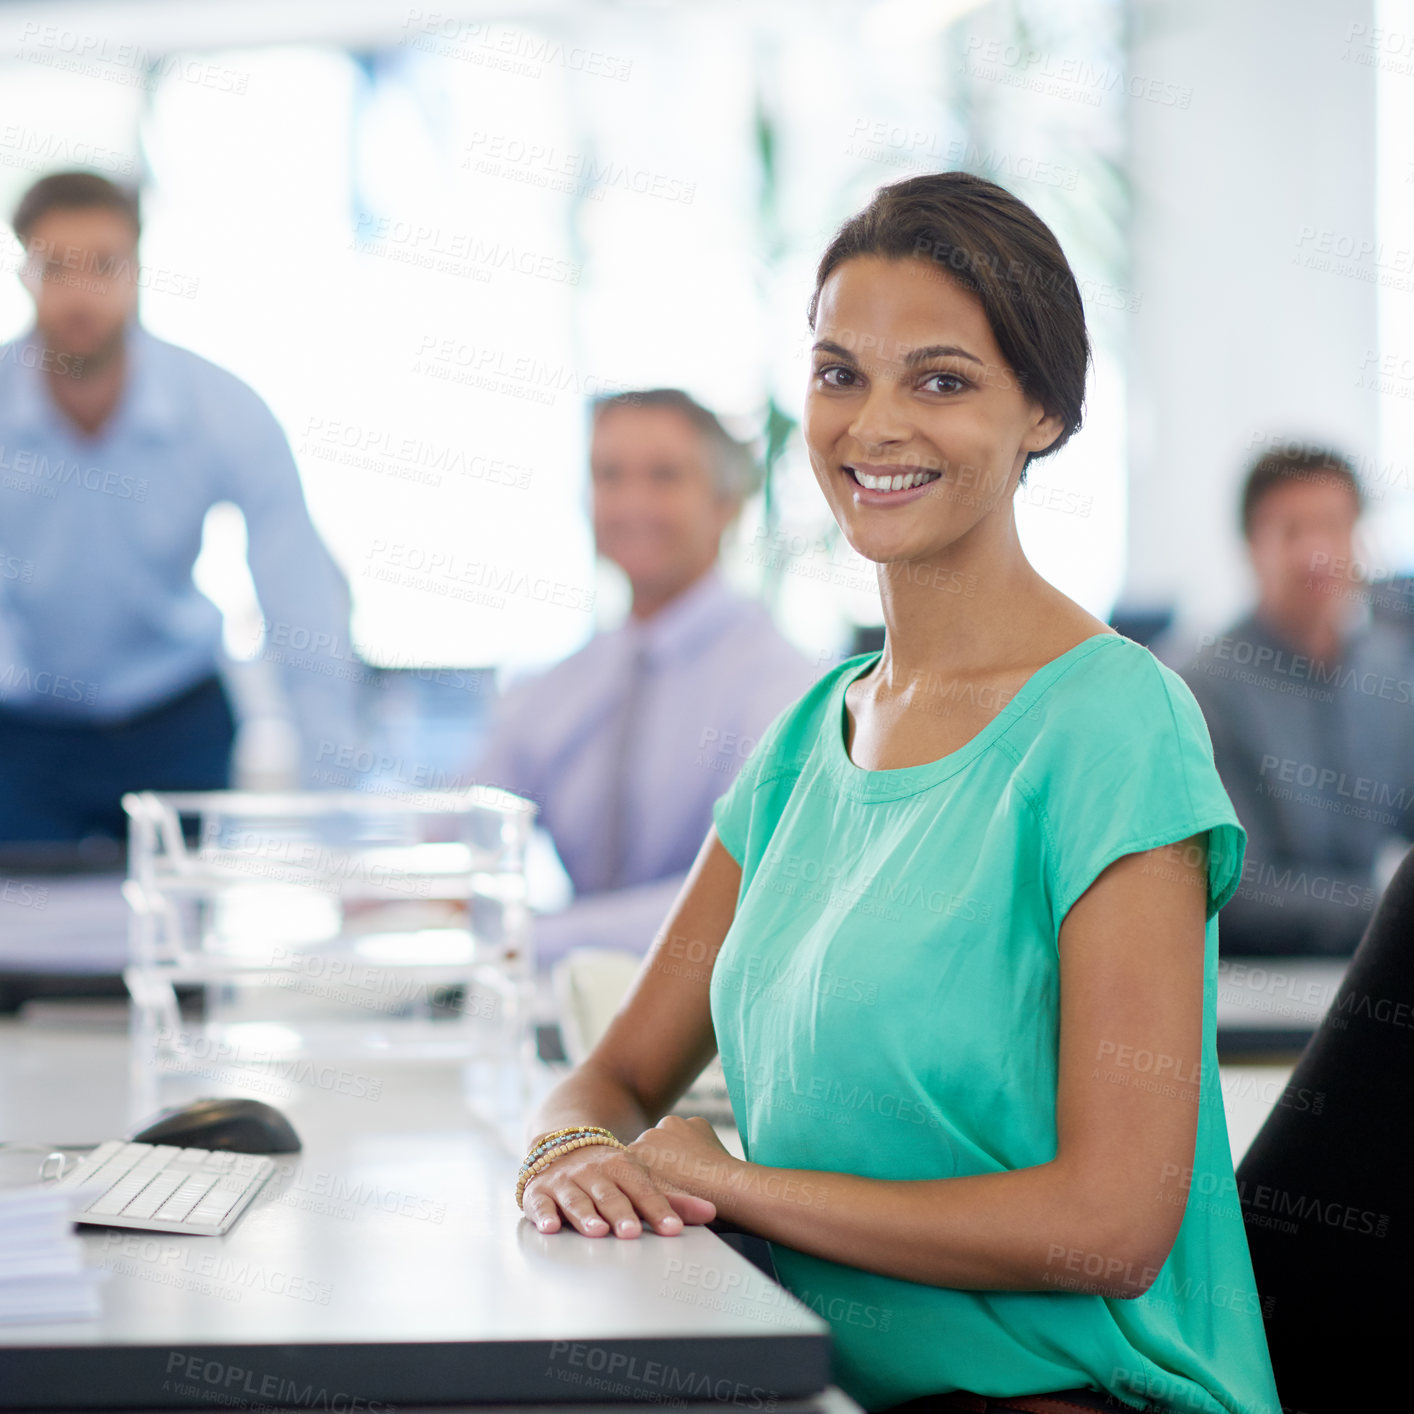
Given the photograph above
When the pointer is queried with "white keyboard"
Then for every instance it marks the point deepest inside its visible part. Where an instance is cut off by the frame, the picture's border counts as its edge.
(161, 1188)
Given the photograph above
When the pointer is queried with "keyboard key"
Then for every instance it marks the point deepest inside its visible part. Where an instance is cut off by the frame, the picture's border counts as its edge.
(218, 1202)
(89, 1164)
(157, 1156)
(104, 1152)
(157, 1192)
(184, 1199)
(110, 1170)
(120, 1195)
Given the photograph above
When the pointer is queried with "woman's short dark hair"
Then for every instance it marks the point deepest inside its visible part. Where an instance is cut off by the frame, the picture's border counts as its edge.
(73, 191)
(998, 250)
(1296, 461)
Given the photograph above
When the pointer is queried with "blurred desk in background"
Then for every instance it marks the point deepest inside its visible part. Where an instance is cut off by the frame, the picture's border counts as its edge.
(1270, 1007)
(63, 931)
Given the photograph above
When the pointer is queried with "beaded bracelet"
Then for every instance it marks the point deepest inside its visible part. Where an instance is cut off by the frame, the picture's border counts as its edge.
(575, 1129)
(545, 1160)
(551, 1141)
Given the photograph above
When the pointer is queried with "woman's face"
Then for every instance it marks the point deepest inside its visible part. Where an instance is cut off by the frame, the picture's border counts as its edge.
(907, 382)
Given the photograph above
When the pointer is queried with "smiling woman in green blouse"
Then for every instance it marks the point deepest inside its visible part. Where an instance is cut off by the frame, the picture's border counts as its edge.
(955, 929)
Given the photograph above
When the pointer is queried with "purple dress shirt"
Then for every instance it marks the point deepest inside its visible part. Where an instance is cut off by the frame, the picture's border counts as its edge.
(714, 672)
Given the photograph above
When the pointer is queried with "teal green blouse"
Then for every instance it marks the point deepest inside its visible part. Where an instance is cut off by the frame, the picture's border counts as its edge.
(886, 1003)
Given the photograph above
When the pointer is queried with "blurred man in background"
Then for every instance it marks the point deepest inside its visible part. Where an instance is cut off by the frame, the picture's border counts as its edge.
(113, 447)
(627, 744)
(1310, 704)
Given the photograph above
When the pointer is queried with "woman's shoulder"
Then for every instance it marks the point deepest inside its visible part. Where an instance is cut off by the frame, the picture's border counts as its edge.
(1116, 699)
(1118, 759)
(1127, 674)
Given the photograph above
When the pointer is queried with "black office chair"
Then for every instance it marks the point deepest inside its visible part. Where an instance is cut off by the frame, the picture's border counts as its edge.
(1327, 1187)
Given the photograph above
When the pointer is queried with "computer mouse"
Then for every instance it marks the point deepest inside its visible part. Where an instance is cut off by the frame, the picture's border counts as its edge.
(242, 1126)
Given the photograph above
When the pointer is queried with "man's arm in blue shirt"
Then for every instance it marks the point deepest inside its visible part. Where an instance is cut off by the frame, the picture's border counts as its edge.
(304, 597)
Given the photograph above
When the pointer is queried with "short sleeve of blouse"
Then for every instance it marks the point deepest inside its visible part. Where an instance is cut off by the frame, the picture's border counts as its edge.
(1131, 769)
(731, 813)
(781, 750)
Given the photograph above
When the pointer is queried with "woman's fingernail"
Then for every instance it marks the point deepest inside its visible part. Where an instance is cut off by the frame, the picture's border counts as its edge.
(672, 1221)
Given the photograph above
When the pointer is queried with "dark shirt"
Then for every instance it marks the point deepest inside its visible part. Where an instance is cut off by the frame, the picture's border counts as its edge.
(1318, 759)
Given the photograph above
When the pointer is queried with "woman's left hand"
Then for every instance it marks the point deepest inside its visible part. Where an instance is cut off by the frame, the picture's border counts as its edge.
(686, 1154)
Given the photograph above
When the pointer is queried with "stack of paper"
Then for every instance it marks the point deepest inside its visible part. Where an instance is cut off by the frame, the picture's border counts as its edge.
(42, 1271)
(64, 925)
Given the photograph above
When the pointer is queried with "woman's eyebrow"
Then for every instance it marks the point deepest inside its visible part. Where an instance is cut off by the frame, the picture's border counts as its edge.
(829, 346)
(911, 359)
(938, 351)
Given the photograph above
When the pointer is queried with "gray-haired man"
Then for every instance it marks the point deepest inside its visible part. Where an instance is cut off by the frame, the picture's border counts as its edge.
(627, 744)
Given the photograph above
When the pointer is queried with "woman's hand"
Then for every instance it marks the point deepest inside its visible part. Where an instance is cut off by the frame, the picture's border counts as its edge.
(601, 1190)
(686, 1154)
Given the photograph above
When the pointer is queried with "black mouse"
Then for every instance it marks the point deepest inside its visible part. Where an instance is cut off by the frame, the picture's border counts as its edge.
(242, 1126)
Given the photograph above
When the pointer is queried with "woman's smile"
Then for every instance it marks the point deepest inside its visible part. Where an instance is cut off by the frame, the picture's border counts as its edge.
(884, 484)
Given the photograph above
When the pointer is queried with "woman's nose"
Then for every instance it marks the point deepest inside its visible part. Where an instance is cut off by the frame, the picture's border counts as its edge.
(879, 424)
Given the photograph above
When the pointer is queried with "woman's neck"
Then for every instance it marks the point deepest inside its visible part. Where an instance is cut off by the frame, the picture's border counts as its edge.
(975, 607)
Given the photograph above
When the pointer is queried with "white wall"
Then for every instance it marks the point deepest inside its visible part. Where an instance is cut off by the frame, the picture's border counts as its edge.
(1237, 340)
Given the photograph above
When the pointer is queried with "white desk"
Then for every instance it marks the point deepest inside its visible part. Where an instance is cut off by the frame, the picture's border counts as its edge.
(1274, 1004)
(385, 1263)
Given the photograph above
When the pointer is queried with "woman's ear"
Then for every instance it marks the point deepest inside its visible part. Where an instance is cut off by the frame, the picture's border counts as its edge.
(1043, 431)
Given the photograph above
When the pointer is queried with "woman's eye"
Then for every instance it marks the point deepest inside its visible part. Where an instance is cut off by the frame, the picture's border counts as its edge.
(945, 382)
(824, 375)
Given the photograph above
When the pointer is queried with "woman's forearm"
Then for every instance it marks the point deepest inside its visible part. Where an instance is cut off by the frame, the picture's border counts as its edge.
(590, 1095)
(661, 1036)
(1036, 1229)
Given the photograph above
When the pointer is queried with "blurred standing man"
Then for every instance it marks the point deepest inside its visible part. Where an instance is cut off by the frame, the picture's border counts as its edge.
(1310, 705)
(627, 744)
(113, 446)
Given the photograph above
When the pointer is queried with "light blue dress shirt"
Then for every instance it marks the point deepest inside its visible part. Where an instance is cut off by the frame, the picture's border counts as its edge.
(715, 672)
(99, 617)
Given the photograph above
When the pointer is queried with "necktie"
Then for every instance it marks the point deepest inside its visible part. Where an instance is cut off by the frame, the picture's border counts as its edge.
(621, 743)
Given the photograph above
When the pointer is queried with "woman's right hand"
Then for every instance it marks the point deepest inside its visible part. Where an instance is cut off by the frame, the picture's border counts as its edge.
(599, 1190)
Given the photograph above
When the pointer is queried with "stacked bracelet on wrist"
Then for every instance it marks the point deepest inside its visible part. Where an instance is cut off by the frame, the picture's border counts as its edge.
(557, 1145)
(550, 1141)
